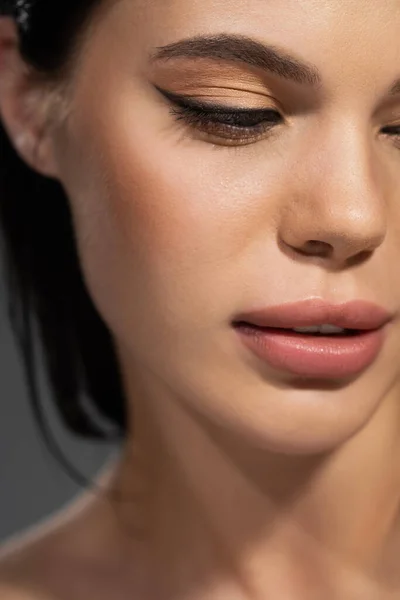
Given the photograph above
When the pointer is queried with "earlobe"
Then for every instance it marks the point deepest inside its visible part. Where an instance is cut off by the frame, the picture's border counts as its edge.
(24, 105)
(42, 156)
(36, 152)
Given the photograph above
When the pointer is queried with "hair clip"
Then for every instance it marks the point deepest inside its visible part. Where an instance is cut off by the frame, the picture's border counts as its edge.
(22, 13)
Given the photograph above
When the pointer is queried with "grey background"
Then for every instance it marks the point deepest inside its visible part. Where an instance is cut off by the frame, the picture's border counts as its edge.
(32, 484)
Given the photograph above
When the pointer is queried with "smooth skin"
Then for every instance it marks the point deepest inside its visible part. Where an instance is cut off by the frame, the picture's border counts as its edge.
(243, 485)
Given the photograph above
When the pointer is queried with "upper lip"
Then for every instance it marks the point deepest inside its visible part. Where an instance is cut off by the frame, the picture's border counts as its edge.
(357, 314)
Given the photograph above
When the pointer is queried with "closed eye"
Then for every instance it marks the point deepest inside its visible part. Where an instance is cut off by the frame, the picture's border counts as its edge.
(240, 125)
(393, 131)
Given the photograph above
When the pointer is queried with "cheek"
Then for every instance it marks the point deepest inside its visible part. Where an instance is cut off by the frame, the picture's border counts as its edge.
(155, 231)
(168, 229)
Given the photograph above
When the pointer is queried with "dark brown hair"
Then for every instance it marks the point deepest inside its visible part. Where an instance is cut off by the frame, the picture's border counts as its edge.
(46, 296)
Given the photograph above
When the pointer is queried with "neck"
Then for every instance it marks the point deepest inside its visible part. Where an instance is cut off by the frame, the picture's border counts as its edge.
(222, 519)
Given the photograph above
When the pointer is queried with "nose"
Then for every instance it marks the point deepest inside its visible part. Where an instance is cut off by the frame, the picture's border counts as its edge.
(336, 209)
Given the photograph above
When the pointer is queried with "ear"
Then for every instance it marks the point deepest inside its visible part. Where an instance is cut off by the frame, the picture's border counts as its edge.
(25, 105)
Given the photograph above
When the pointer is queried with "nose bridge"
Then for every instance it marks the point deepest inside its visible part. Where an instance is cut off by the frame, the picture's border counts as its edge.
(339, 206)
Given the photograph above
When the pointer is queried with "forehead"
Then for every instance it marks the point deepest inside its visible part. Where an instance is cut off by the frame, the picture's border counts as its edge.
(348, 40)
(342, 19)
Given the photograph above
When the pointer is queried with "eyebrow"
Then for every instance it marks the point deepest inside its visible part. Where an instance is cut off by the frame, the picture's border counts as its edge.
(242, 49)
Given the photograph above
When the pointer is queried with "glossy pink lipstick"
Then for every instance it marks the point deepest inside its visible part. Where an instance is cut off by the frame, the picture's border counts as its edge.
(268, 334)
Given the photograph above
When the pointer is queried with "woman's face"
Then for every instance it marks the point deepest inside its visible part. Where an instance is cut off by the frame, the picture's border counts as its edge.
(184, 224)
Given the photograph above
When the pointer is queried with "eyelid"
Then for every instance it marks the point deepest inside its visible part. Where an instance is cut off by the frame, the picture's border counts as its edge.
(187, 101)
(234, 126)
(392, 127)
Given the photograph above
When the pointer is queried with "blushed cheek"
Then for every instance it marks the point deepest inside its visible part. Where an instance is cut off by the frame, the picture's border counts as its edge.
(164, 224)
(160, 203)
(143, 231)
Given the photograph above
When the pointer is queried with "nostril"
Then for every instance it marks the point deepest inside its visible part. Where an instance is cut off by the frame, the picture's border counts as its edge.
(318, 246)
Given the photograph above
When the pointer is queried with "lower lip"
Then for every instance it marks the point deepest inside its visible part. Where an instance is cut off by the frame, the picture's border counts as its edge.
(313, 356)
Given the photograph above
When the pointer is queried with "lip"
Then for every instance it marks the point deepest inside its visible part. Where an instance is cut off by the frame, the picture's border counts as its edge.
(322, 357)
(266, 333)
(356, 314)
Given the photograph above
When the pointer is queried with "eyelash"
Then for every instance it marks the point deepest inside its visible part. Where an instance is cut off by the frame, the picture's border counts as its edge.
(237, 125)
(394, 132)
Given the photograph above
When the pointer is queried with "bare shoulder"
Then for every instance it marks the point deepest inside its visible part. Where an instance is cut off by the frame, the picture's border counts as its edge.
(12, 592)
(36, 564)
(59, 559)
(20, 560)
(17, 560)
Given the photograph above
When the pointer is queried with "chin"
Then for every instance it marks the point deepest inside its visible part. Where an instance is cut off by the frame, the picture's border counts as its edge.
(296, 440)
(296, 420)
